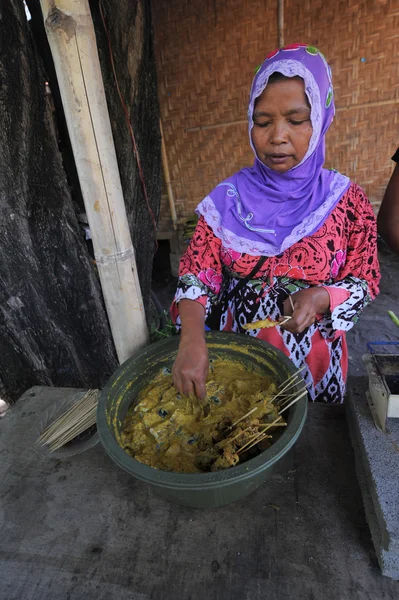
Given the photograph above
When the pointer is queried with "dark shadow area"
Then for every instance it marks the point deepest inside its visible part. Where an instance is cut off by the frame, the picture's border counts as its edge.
(374, 324)
(163, 282)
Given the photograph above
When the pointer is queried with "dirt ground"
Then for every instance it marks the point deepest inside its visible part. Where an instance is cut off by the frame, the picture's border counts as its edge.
(374, 324)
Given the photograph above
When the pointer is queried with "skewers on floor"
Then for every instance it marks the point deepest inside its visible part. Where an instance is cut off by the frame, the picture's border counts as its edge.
(72, 423)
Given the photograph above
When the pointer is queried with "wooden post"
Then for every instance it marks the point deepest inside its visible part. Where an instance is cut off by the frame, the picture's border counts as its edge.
(166, 174)
(71, 36)
(280, 18)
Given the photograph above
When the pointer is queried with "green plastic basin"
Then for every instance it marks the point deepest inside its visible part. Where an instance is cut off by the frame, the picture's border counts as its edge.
(202, 490)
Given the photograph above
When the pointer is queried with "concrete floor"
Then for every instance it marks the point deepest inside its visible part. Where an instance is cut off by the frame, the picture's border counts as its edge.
(81, 529)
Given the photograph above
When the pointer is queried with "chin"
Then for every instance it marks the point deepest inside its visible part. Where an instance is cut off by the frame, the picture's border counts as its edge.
(279, 168)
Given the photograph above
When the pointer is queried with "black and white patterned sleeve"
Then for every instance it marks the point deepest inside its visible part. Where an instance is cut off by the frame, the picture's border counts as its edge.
(344, 316)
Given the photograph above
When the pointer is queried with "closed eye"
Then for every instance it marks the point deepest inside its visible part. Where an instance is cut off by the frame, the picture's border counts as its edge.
(262, 124)
(299, 122)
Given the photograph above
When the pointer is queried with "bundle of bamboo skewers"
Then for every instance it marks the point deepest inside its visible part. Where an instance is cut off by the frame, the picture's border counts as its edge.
(72, 423)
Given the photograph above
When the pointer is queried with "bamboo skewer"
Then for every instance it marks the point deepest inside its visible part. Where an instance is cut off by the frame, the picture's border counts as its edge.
(266, 323)
(70, 432)
(244, 417)
(289, 398)
(227, 441)
(296, 380)
(289, 385)
(74, 421)
(293, 402)
(260, 433)
(284, 397)
(253, 441)
(259, 437)
(269, 425)
(54, 429)
(263, 437)
(287, 318)
(289, 391)
(265, 425)
(292, 376)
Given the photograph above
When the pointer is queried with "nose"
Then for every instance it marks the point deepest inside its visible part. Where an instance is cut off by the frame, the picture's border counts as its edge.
(279, 133)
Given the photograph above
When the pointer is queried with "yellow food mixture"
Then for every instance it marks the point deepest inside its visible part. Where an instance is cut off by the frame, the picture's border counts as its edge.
(174, 433)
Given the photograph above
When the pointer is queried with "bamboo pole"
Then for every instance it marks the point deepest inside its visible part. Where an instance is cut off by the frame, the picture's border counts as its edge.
(166, 173)
(71, 36)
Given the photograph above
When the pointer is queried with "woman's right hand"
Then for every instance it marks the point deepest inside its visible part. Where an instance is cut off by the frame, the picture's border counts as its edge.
(191, 367)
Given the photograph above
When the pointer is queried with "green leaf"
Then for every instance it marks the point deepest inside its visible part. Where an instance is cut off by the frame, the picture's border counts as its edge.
(394, 317)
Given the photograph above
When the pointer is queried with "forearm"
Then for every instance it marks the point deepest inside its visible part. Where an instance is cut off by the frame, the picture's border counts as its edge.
(192, 317)
(191, 366)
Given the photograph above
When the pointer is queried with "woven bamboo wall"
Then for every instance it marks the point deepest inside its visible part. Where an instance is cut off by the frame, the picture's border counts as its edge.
(207, 52)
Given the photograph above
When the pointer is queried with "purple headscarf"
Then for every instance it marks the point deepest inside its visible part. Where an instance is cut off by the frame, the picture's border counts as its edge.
(260, 211)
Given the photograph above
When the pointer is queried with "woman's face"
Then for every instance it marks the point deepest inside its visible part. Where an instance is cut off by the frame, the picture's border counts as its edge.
(282, 127)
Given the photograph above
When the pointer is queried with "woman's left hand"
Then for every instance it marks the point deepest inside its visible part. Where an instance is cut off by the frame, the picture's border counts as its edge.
(307, 305)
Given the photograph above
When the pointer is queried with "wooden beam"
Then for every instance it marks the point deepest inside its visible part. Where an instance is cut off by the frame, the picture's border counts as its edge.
(280, 19)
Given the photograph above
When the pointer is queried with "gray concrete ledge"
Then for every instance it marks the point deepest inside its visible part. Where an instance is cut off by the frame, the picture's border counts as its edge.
(377, 466)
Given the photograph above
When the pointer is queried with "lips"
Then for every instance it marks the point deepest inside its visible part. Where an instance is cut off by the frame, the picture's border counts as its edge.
(278, 159)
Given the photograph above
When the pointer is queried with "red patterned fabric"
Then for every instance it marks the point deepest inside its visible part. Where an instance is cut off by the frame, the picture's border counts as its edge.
(341, 256)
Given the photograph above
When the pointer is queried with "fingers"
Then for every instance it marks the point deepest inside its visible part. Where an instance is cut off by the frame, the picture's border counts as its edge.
(297, 325)
(301, 320)
(302, 313)
(183, 383)
(200, 389)
(188, 386)
(287, 306)
(192, 380)
(177, 382)
(190, 371)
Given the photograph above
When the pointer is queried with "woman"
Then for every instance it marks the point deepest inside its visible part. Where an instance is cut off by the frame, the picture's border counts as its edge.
(285, 237)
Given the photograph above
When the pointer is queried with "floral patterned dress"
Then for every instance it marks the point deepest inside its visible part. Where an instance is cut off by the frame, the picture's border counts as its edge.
(341, 257)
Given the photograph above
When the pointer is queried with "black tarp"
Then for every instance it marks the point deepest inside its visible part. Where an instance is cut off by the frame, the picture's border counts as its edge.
(53, 325)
